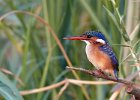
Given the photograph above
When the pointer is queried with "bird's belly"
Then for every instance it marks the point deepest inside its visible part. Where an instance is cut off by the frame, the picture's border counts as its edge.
(99, 59)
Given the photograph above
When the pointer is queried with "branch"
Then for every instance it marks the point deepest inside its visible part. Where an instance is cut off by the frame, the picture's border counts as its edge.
(64, 82)
(33, 91)
(131, 88)
(134, 91)
(13, 75)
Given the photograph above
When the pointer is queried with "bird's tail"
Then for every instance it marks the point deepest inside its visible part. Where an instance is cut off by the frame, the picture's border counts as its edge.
(116, 74)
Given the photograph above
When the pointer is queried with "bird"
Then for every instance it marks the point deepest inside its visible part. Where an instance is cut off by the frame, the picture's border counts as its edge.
(99, 52)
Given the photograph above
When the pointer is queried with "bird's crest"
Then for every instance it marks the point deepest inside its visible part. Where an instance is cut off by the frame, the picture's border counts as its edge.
(97, 34)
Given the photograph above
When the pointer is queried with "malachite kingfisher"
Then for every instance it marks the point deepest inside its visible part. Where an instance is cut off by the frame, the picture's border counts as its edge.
(99, 52)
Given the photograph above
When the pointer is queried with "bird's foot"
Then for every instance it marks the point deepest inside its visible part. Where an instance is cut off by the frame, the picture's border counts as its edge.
(101, 73)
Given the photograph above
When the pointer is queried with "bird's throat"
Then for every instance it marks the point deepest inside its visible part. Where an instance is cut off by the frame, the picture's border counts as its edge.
(87, 42)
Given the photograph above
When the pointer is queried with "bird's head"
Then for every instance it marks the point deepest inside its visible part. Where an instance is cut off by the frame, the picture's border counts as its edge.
(90, 37)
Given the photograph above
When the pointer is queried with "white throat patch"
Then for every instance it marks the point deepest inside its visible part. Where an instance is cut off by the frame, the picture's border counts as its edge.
(101, 41)
(87, 42)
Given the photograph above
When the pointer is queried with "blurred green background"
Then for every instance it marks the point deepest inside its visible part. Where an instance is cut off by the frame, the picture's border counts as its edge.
(29, 49)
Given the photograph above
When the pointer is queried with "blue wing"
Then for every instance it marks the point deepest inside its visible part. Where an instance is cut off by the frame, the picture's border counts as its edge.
(108, 50)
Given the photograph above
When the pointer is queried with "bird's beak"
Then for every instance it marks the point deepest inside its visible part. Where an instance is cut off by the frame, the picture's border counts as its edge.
(75, 38)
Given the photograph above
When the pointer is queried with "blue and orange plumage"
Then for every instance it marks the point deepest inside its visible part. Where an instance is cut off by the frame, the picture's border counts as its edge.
(99, 52)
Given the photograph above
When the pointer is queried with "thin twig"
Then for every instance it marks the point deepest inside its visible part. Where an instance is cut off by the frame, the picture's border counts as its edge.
(27, 92)
(66, 81)
(124, 45)
(79, 82)
(62, 90)
(114, 95)
(12, 74)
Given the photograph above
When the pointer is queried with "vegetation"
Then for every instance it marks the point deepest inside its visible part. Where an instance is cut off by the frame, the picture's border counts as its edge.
(33, 53)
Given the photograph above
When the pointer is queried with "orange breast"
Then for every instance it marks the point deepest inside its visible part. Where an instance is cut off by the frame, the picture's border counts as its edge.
(99, 59)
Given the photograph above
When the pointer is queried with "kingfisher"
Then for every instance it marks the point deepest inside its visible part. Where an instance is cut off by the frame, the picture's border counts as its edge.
(99, 52)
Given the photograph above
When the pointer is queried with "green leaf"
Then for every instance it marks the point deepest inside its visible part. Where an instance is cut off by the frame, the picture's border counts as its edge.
(8, 90)
(135, 32)
(120, 25)
(112, 17)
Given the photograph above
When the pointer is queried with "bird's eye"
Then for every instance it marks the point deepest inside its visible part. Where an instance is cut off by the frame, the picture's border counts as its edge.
(89, 36)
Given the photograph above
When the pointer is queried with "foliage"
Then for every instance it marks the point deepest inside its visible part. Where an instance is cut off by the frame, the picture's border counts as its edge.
(31, 51)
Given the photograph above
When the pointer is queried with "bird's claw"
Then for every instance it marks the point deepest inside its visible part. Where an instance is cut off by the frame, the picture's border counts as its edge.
(101, 73)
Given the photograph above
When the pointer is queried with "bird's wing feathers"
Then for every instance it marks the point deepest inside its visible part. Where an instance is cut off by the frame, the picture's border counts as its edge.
(108, 50)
